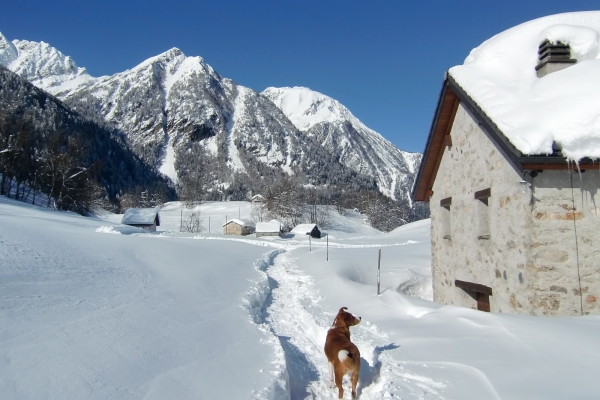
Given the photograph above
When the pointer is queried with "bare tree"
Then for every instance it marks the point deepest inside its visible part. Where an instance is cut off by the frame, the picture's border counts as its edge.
(192, 223)
(284, 201)
(258, 212)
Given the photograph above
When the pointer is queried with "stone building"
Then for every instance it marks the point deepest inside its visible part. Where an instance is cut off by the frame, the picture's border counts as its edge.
(238, 227)
(511, 231)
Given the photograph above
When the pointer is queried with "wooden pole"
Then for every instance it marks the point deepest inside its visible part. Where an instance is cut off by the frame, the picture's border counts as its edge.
(181, 221)
(327, 247)
(239, 212)
(226, 224)
(209, 225)
(309, 245)
(379, 273)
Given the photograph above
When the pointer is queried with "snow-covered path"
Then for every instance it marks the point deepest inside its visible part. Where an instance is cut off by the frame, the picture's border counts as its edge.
(301, 323)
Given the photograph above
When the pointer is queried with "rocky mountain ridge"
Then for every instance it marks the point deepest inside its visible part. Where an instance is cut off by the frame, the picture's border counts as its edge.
(181, 116)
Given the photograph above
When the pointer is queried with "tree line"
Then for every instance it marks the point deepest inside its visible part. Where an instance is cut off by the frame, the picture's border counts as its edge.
(293, 203)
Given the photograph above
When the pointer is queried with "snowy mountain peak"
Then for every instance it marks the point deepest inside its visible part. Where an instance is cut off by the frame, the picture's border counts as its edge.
(8, 51)
(39, 60)
(306, 107)
(352, 142)
(41, 64)
(173, 54)
(176, 110)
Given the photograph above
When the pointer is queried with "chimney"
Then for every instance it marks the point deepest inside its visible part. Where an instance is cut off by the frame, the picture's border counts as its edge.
(553, 57)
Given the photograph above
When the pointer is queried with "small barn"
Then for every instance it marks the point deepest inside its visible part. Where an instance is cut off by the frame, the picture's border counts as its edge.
(146, 218)
(271, 228)
(238, 227)
(257, 198)
(307, 229)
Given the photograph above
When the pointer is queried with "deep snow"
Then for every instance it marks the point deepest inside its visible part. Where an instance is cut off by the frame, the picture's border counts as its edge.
(532, 112)
(93, 309)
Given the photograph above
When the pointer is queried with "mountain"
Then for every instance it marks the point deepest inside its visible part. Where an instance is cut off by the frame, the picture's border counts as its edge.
(357, 147)
(46, 146)
(181, 116)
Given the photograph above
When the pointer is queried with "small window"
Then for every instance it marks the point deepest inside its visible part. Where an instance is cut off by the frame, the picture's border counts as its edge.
(446, 217)
(482, 213)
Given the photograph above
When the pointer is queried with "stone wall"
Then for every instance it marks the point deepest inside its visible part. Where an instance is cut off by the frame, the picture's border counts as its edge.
(532, 243)
(488, 244)
(565, 245)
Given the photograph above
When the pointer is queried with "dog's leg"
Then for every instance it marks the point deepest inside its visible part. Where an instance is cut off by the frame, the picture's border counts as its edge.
(331, 382)
(339, 376)
(354, 382)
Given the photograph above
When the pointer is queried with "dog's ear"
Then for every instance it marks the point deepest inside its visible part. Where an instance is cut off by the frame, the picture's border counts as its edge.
(343, 309)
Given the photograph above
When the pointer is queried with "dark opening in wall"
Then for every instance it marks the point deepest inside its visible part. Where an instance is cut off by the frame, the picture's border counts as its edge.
(482, 213)
(446, 216)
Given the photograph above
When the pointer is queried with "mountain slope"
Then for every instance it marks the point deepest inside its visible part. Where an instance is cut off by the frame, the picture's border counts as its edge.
(177, 112)
(44, 142)
(340, 132)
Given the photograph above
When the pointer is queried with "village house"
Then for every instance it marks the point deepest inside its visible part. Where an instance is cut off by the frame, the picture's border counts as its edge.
(238, 227)
(271, 228)
(510, 176)
(307, 229)
(146, 218)
(257, 198)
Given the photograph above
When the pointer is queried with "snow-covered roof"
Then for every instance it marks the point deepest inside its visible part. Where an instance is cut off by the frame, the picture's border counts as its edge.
(140, 216)
(304, 229)
(532, 112)
(273, 226)
(241, 222)
(257, 196)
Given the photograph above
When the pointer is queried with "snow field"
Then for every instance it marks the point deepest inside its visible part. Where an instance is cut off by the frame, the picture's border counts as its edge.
(93, 309)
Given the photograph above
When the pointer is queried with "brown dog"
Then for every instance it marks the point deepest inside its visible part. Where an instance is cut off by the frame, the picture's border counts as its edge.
(343, 355)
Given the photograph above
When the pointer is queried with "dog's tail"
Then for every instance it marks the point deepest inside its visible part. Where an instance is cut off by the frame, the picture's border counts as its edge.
(344, 355)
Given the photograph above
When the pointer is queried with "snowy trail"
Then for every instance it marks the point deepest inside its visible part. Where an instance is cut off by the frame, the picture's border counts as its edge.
(286, 305)
(300, 323)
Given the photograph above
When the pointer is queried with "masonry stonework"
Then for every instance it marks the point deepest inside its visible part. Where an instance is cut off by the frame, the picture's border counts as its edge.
(522, 243)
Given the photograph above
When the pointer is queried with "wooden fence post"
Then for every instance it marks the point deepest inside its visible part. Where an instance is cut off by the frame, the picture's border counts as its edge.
(379, 273)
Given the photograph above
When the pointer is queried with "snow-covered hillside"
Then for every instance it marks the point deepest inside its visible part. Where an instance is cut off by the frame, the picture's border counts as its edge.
(176, 110)
(341, 133)
(93, 309)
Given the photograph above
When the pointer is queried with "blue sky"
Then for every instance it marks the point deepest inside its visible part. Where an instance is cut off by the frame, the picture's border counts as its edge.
(384, 60)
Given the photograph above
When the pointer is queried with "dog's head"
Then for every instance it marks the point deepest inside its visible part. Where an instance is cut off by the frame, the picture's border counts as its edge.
(345, 319)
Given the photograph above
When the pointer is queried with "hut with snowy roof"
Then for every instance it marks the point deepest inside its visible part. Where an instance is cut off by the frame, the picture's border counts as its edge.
(511, 174)
(238, 227)
(146, 218)
(271, 228)
(307, 229)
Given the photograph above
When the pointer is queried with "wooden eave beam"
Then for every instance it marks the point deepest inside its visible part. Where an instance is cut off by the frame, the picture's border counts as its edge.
(436, 143)
(474, 287)
(446, 128)
(563, 164)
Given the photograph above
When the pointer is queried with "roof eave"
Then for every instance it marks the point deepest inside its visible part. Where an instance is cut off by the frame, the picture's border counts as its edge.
(422, 180)
(435, 141)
